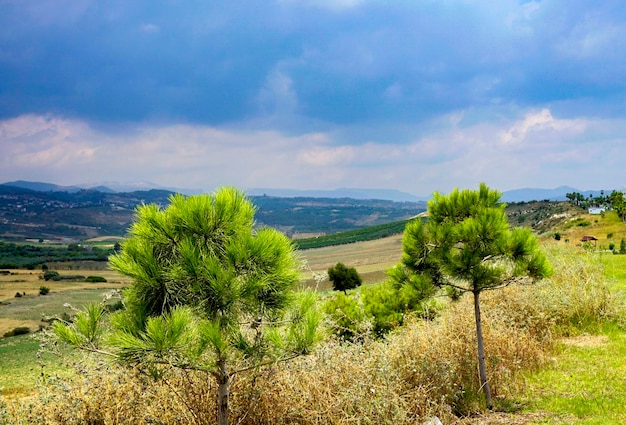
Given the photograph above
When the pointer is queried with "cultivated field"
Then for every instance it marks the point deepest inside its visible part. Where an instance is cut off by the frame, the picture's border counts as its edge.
(371, 259)
(30, 308)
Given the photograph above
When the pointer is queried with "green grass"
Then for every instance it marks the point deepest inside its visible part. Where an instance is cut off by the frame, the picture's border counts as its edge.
(587, 382)
(21, 367)
(614, 270)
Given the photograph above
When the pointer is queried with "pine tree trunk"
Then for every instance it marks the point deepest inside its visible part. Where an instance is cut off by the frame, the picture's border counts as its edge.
(223, 393)
(481, 352)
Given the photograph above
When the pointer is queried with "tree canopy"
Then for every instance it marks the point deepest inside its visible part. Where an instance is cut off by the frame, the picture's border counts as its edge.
(343, 277)
(209, 292)
(467, 246)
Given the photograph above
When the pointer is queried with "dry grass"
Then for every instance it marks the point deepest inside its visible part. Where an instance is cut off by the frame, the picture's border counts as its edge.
(30, 281)
(371, 259)
(28, 310)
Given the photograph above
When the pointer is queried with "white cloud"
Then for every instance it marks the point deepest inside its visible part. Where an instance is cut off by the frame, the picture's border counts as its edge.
(537, 149)
(536, 123)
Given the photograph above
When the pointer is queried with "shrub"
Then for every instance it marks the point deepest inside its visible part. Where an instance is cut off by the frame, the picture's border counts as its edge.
(376, 308)
(95, 279)
(50, 274)
(20, 330)
(347, 316)
(44, 290)
(70, 277)
(18, 295)
(118, 305)
(344, 278)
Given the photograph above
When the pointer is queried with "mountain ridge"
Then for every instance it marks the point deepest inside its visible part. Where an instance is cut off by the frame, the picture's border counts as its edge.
(513, 195)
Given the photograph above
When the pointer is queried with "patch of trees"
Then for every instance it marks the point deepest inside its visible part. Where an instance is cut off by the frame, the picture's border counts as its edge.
(358, 235)
(615, 201)
(13, 256)
(212, 294)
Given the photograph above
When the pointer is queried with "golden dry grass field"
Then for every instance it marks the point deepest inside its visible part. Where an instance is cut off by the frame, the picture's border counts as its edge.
(29, 309)
(371, 259)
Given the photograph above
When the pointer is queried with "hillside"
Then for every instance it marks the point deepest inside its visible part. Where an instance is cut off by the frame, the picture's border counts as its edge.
(85, 214)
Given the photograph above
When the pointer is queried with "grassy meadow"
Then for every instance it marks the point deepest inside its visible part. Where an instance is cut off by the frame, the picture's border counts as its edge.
(556, 353)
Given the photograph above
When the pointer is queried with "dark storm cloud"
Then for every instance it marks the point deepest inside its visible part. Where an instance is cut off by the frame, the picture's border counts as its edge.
(207, 62)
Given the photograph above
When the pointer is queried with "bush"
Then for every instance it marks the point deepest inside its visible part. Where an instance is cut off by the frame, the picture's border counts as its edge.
(50, 274)
(95, 279)
(119, 305)
(376, 308)
(44, 290)
(344, 278)
(20, 330)
(18, 295)
(70, 277)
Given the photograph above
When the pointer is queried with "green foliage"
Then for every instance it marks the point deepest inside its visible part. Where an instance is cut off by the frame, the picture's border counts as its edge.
(359, 235)
(44, 290)
(50, 274)
(467, 246)
(20, 330)
(15, 256)
(374, 308)
(344, 278)
(95, 279)
(209, 292)
(622, 247)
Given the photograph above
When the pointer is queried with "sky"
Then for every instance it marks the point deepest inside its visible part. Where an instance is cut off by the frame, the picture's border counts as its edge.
(417, 96)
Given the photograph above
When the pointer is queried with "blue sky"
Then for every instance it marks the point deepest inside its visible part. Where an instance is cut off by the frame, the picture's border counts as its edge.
(314, 94)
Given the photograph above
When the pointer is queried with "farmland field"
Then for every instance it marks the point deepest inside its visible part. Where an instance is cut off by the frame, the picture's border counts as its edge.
(370, 258)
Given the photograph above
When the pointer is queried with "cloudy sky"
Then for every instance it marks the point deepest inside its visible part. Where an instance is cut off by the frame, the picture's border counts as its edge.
(417, 95)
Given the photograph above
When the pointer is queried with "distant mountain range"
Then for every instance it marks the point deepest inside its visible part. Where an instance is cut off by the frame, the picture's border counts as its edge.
(516, 195)
(104, 187)
(557, 194)
(385, 194)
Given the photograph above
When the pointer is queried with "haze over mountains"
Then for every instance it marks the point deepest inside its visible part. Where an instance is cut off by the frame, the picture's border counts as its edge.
(515, 195)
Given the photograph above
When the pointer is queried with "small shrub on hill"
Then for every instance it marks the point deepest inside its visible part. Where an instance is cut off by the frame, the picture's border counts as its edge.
(95, 279)
(69, 277)
(44, 290)
(343, 277)
(20, 330)
(50, 274)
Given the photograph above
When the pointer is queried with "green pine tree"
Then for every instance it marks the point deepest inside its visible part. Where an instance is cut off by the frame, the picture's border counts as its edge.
(209, 292)
(467, 246)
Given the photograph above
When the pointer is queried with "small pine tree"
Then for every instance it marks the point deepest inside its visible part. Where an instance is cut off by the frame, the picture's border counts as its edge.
(343, 277)
(467, 246)
(209, 292)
